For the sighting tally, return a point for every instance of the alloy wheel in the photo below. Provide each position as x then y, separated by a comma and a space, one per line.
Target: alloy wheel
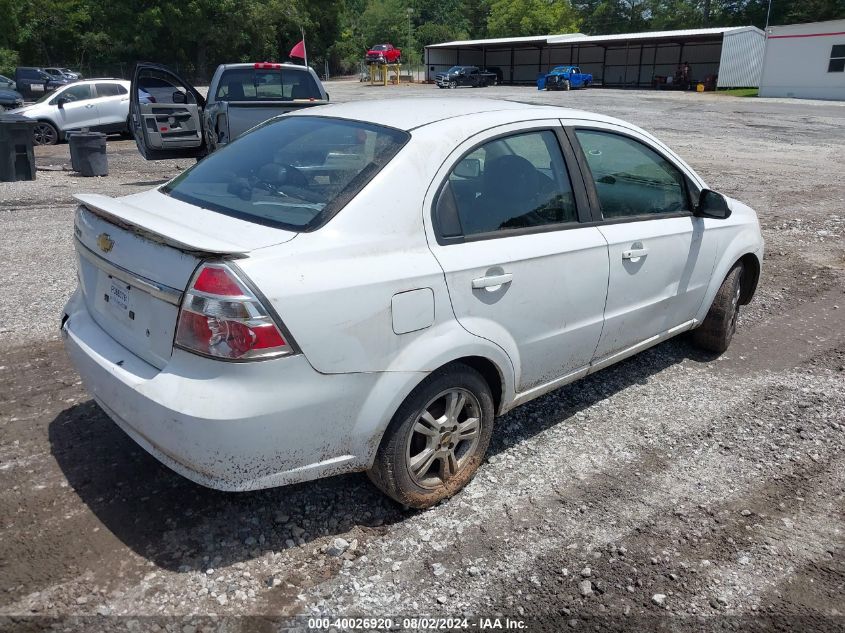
444, 438
44, 134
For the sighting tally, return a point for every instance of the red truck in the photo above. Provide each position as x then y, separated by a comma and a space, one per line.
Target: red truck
384, 54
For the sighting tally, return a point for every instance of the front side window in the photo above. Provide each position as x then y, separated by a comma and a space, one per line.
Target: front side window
837, 59
514, 182
79, 92
253, 84
630, 178
295, 171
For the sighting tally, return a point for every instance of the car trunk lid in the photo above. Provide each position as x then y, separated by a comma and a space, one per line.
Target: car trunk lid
137, 254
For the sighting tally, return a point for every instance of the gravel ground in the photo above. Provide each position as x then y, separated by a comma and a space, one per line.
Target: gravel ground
674, 490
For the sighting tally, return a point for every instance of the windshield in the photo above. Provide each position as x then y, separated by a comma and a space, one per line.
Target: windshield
293, 171
379, 47
455, 69
47, 96
250, 84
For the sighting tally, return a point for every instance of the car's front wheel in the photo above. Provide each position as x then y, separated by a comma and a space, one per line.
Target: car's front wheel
437, 438
566, 84
45, 133
719, 326
453, 84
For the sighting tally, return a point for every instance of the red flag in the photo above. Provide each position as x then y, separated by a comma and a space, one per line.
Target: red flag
298, 50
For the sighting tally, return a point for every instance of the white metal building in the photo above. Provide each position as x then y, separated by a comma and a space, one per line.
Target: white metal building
734, 54
805, 61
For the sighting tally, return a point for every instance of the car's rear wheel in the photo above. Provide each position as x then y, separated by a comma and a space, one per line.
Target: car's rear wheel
719, 326
45, 133
437, 438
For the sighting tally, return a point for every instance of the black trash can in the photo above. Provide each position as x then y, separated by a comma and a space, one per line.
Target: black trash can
74, 153
88, 153
17, 160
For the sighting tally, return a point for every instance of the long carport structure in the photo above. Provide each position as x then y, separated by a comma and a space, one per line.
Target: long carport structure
632, 60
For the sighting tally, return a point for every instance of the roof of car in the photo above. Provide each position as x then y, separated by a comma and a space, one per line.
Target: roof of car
415, 112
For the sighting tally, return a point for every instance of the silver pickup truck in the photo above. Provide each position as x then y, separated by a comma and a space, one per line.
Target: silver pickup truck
169, 118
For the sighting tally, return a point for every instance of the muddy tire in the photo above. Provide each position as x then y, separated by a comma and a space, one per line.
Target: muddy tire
717, 330
437, 438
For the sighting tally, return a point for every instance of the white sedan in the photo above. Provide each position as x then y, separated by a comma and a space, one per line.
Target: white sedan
101, 105
367, 286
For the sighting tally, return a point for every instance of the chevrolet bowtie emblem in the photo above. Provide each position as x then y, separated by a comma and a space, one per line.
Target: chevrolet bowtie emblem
105, 242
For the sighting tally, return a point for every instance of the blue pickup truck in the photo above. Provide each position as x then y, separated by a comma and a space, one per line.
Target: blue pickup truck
564, 78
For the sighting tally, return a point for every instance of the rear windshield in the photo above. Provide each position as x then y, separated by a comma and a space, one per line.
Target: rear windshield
253, 84
294, 171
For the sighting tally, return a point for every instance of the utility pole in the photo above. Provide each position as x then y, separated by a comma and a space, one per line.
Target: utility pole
409, 11
768, 15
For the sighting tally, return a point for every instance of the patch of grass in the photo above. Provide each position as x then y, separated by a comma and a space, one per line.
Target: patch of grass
739, 92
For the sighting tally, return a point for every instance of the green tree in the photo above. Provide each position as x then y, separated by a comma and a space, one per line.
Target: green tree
511, 18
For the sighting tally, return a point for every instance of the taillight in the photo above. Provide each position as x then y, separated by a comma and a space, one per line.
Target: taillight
222, 318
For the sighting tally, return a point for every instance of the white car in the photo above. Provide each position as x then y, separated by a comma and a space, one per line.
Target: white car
102, 105
366, 286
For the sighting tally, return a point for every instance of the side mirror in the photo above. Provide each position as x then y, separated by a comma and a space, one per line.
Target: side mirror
712, 204
61, 103
468, 168
179, 97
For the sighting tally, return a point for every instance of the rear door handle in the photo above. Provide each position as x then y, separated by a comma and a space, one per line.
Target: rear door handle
634, 253
492, 281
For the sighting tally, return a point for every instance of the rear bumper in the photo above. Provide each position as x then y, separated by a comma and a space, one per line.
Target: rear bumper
230, 426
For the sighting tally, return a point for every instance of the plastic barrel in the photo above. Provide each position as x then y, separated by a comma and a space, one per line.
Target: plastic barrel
88, 153
17, 160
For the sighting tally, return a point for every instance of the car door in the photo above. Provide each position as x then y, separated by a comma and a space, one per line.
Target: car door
170, 126
113, 103
521, 268
76, 107
661, 258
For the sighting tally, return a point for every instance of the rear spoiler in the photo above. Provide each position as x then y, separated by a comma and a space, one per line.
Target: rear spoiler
158, 227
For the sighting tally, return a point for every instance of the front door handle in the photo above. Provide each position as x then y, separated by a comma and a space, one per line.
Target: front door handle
90, 105
492, 281
634, 253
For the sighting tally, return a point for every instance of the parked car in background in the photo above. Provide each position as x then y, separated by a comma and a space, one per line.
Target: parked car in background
10, 99
282, 310
566, 78
7, 83
500, 76
98, 104
383, 54
171, 119
73, 74
34, 83
60, 75
470, 76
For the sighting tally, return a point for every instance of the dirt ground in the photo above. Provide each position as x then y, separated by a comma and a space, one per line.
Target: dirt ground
673, 491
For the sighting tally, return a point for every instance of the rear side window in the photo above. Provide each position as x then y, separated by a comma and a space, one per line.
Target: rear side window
254, 84
110, 90
295, 172
514, 182
630, 178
